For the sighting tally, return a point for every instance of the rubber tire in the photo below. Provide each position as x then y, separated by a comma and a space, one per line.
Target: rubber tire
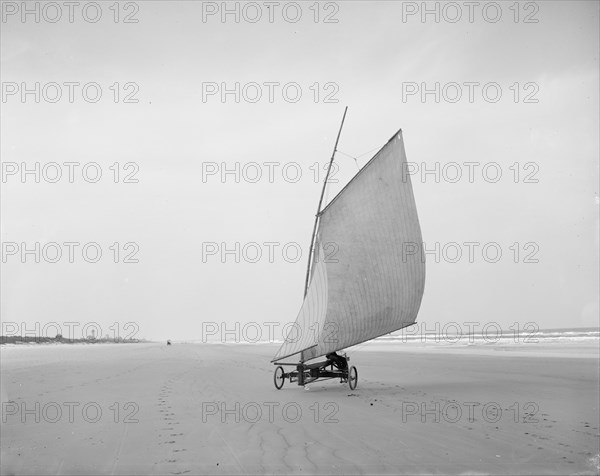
352, 377
280, 379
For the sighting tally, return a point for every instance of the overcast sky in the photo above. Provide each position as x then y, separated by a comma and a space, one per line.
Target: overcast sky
372, 59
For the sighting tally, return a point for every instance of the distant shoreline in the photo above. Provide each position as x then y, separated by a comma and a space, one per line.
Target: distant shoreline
62, 340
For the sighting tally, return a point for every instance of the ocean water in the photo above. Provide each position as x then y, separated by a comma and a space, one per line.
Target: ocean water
454, 334
473, 334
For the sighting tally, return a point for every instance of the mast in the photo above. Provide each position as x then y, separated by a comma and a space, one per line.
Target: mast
318, 215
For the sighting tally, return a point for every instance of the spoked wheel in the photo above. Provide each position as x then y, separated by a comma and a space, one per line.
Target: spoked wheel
278, 377
352, 377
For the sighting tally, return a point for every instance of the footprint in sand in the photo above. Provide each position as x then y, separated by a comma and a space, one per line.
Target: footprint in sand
169, 416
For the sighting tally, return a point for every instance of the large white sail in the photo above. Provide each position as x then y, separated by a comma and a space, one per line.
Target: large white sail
373, 276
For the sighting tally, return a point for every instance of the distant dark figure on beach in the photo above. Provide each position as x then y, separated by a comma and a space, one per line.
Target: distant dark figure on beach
168, 342
337, 360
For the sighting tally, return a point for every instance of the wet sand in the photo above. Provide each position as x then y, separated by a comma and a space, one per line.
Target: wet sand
213, 409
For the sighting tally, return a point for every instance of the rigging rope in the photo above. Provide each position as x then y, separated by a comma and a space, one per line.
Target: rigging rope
359, 156
326, 198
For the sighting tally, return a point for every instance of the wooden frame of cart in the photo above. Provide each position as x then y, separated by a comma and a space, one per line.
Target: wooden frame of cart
332, 368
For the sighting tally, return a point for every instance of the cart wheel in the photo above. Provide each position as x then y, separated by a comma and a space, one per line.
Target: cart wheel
352, 377
278, 377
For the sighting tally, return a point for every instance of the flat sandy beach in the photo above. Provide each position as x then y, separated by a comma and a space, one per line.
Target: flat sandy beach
213, 409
